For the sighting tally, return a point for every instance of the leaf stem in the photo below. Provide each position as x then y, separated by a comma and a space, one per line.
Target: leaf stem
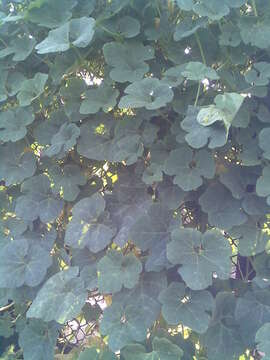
200, 47
114, 35
198, 94
3, 42
254, 7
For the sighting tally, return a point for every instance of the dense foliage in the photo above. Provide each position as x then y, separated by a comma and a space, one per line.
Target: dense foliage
135, 179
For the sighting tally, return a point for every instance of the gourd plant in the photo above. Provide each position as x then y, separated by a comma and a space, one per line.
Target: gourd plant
135, 179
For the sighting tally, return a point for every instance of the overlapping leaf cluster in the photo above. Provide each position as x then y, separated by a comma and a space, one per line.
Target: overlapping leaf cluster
134, 169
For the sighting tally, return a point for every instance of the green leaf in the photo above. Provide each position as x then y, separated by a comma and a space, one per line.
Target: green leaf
173, 76
262, 185
81, 31
37, 200
78, 32
13, 123
116, 270
166, 350
4, 296
262, 339
190, 308
252, 239
127, 60
186, 5
223, 210
60, 298
97, 141
3, 79
46, 129
57, 40
264, 142
14, 83
230, 35
95, 354
186, 28
23, 263
50, 13
188, 168
213, 9
85, 7
163, 349
197, 71
89, 275
67, 180
15, 164
198, 135
72, 93
171, 194
150, 93
126, 26
38, 340
6, 326
151, 228
31, 89
63, 141
224, 111
259, 75
102, 97
254, 307
20, 48
255, 32
90, 226
235, 3
123, 325
128, 319
223, 340
200, 255
138, 352
238, 179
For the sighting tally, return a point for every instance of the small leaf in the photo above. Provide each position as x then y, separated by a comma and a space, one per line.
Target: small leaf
31, 89
198, 135
127, 60
188, 27
63, 141
116, 270
188, 168
37, 200
197, 71
78, 32
38, 340
49, 13
264, 142
89, 226
67, 180
150, 93
15, 164
213, 9
13, 123
125, 26
190, 308
200, 255
23, 263
103, 97
223, 210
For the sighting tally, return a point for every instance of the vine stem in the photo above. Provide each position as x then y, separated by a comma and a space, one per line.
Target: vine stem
4, 308
254, 7
200, 47
198, 94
